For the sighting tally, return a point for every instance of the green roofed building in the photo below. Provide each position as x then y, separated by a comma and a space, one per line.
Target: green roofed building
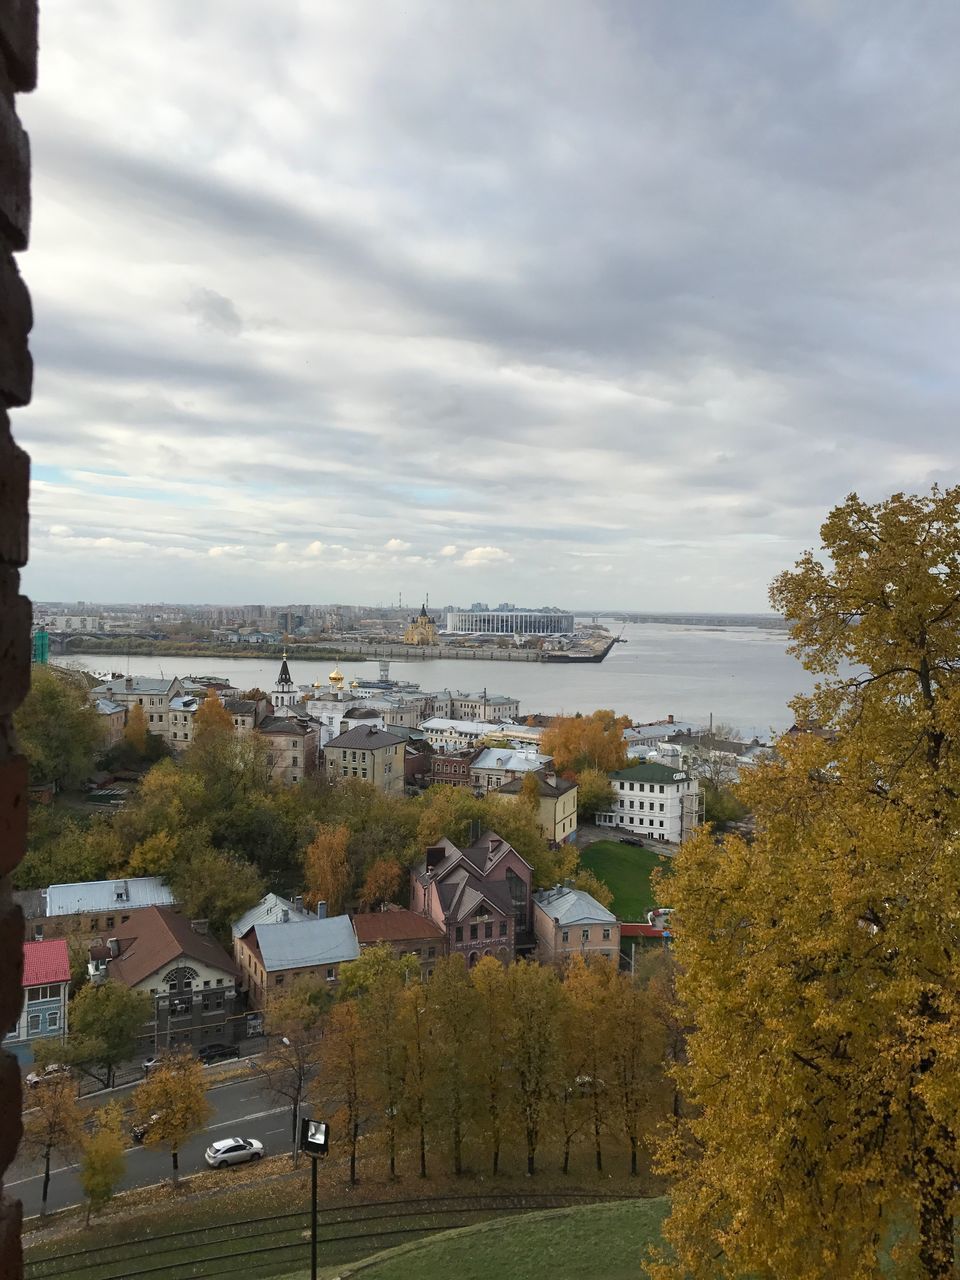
654, 801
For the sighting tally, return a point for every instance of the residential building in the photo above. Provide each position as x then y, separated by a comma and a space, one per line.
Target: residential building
369, 754
191, 979
568, 922
293, 747
246, 713
46, 987
457, 734
452, 768
153, 694
273, 955
493, 707
91, 907
407, 932
509, 622
496, 765
182, 710
655, 801
113, 719
480, 896
557, 804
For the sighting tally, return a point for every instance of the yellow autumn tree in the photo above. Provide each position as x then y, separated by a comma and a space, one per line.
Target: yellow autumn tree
211, 717
586, 742
135, 731
326, 870
172, 1102
382, 882
819, 966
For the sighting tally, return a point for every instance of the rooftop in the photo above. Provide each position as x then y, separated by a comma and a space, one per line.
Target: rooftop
572, 906
45, 962
548, 787
510, 759
156, 937
301, 944
395, 925
108, 895
136, 684
650, 772
269, 910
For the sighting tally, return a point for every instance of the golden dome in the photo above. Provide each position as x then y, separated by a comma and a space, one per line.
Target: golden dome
354, 684
336, 676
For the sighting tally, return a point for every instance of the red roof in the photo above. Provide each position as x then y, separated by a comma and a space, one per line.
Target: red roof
45, 962
640, 931
394, 926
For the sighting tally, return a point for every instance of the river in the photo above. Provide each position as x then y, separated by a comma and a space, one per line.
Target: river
740, 675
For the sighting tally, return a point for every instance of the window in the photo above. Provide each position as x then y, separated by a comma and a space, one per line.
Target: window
488, 929
331, 974
503, 928
458, 933
474, 932
151, 717
124, 919
661, 790
606, 935
206, 982
53, 1019
661, 808
160, 719
651, 822
584, 935
565, 935
293, 742
152, 703
278, 980
661, 822
109, 922
431, 953
630, 785
295, 762
38, 933
219, 982
33, 1023
631, 804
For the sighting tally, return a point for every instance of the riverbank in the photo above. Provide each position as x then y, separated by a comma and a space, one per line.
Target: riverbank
355, 650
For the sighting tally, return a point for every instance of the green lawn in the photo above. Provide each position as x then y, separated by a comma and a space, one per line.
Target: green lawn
625, 869
590, 1242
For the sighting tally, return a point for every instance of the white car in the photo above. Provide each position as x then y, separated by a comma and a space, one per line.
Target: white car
49, 1072
233, 1151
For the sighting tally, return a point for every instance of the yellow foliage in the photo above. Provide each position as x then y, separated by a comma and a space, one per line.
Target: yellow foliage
326, 869
820, 964
586, 742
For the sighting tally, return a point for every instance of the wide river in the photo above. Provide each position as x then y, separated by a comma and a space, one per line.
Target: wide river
743, 676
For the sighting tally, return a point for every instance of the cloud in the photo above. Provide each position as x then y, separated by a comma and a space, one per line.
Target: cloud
214, 311
632, 287
484, 555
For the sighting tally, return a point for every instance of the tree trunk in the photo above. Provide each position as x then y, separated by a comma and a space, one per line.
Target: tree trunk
633, 1155
457, 1148
423, 1148
176, 1166
566, 1155
89, 1207
596, 1139
936, 1238
46, 1181
531, 1153
354, 1132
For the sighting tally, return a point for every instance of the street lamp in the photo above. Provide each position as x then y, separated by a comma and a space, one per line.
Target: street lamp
314, 1142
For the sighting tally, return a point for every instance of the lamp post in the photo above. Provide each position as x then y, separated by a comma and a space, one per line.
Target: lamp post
314, 1142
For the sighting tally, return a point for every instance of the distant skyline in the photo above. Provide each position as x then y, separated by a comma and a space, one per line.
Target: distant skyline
547, 300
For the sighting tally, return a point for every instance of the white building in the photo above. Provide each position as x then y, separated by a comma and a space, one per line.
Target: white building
655, 801
509, 622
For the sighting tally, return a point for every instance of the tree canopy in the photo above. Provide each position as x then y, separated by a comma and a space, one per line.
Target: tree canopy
586, 742
820, 965
58, 730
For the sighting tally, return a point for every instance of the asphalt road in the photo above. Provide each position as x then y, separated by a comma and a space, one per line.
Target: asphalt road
241, 1109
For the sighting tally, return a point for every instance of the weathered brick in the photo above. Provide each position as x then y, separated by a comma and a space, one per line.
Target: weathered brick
13, 818
14, 178
18, 41
16, 321
15, 619
14, 492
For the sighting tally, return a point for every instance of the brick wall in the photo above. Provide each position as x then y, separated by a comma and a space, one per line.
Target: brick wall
18, 74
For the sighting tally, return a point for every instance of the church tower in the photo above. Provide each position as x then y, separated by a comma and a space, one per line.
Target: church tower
285, 693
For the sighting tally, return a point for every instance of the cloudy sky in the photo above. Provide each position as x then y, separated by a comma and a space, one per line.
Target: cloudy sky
581, 302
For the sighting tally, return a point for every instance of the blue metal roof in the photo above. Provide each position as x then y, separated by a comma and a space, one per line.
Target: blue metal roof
108, 895
300, 944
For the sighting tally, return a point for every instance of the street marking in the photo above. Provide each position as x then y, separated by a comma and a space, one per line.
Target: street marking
257, 1115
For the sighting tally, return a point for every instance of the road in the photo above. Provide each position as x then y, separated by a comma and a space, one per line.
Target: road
241, 1109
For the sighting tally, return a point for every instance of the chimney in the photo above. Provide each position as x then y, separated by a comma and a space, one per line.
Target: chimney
284, 916
321, 910
114, 946
669, 719
128, 683
298, 902
200, 926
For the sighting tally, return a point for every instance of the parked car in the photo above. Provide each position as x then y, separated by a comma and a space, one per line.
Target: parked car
51, 1071
631, 840
233, 1151
139, 1131
218, 1052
